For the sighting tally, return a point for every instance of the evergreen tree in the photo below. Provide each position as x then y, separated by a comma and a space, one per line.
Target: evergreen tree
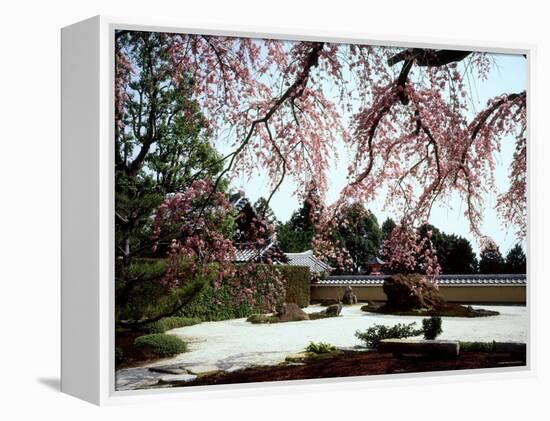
387, 227
360, 234
161, 146
459, 257
296, 234
263, 209
491, 261
516, 262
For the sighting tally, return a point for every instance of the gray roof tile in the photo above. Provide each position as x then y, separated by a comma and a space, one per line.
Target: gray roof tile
474, 279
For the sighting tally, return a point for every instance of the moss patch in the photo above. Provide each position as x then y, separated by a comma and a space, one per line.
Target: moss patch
449, 310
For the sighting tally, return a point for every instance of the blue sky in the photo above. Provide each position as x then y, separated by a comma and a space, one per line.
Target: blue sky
509, 74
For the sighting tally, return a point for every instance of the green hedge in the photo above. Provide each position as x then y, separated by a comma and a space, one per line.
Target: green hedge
298, 280
161, 344
213, 304
168, 323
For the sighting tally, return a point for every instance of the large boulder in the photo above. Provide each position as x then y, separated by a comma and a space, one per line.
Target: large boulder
431, 348
411, 292
290, 312
349, 297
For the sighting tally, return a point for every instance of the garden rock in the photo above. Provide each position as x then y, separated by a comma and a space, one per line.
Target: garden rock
178, 378
333, 310
514, 348
349, 297
201, 370
168, 370
290, 312
411, 292
432, 348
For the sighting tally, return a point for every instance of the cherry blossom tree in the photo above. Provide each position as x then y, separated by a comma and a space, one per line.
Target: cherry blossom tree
405, 116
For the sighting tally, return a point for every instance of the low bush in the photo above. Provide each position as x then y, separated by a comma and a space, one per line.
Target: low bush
432, 327
298, 280
261, 318
320, 348
477, 346
375, 334
174, 322
161, 344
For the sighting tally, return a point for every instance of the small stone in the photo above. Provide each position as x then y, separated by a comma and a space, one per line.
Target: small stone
168, 370
203, 369
177, 378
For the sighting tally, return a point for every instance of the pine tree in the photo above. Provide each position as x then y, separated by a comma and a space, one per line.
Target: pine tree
516, 261
491, 261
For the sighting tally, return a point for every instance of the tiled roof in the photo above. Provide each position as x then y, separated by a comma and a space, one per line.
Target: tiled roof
375, 261
307, 259
474, 279
250, 254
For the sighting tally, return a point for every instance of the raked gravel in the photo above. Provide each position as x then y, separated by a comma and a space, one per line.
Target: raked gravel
233, 344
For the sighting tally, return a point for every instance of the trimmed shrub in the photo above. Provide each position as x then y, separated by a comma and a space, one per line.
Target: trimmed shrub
169, 323
432, 327
298, 280
320, 348
374, 334
161, 344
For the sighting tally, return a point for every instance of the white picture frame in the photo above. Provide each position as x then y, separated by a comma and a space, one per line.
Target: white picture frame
88, 212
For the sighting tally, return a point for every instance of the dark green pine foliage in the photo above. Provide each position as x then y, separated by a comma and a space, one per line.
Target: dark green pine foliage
161, 146
491, 261
362, 236
516, 261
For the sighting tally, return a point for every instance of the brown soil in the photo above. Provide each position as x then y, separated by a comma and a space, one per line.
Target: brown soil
351, 363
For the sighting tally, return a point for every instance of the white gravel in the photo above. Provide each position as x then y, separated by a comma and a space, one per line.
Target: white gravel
236, 342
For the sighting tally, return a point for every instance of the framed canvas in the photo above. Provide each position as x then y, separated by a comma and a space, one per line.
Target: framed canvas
244, 209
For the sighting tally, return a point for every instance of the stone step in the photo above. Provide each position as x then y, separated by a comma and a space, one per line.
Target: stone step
432, 348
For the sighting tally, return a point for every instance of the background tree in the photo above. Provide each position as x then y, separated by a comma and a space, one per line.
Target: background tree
460, 257
516, 261
272, 96
161, 148
262, 208
387, 227
296, 234
491, 260
358, 231
455, 254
